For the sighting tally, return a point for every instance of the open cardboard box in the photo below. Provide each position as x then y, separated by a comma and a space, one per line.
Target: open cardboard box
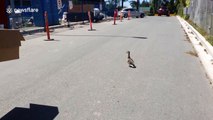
10, 41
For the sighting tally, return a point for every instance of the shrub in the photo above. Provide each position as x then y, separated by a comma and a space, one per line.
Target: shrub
209, 38
186, 17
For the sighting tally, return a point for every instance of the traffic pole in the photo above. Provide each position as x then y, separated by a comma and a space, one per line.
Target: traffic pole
47, 26
121, 16
114, 17
90, 21
129, 14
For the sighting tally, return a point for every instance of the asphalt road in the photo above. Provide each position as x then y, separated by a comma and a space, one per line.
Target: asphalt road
86, 76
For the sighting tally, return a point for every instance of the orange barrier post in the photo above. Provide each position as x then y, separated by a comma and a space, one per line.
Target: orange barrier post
121, 16
114, 17
129, 15
47, 26
90, 21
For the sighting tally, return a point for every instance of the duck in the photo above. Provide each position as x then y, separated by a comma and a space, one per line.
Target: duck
130, 61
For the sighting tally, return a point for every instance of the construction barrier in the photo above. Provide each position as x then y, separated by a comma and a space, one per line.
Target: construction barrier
47, 26
114, 17
121, 17
90, 22
129, 15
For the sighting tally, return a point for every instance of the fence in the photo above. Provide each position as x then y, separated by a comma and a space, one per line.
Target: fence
201, 13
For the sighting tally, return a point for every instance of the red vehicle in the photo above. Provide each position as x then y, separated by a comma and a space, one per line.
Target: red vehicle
163, 11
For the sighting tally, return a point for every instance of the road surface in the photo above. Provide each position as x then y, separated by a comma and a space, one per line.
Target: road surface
85, 75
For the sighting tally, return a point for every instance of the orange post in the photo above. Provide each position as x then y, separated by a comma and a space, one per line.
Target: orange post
90, 21
129, 15
47, 25
121, 16
114, 17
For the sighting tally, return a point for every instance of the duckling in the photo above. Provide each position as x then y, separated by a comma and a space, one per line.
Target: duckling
130, 61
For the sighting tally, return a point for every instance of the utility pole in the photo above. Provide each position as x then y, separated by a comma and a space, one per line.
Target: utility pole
138, 3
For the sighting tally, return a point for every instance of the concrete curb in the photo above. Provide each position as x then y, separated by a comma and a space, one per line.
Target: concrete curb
202, 47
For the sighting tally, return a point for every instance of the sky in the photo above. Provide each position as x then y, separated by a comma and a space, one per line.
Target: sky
128, 5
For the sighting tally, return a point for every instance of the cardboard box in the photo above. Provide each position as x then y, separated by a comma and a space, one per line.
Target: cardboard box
10, 41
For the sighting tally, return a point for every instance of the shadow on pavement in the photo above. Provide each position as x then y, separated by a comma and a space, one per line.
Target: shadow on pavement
136, 37
35, 112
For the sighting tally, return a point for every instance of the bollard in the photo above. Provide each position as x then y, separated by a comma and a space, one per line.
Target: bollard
114, 17
47, 26
129, 14
121, 16
90, 21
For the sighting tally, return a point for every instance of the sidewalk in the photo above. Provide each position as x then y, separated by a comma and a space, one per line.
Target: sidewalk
32, 30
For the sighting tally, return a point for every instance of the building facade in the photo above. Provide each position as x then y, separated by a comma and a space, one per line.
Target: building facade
3, 14
21, 13
80, 8
24, 13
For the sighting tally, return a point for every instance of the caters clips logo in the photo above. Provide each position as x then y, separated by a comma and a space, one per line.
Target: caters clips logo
9, 10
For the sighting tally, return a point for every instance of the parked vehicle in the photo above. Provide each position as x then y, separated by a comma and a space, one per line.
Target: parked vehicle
163, 11
133, 13
97, 15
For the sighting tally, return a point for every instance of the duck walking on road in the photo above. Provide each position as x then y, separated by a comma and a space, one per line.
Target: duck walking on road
130, 61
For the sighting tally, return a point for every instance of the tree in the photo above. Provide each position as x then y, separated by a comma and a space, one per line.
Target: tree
154, 6
122, 3
180, 4
145, 4
138, 3
171, 6
133, 4
187, 3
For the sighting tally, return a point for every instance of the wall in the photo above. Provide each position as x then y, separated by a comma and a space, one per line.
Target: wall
200, 12
45, 5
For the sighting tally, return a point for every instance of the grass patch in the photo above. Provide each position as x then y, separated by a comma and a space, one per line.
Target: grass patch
208, 37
